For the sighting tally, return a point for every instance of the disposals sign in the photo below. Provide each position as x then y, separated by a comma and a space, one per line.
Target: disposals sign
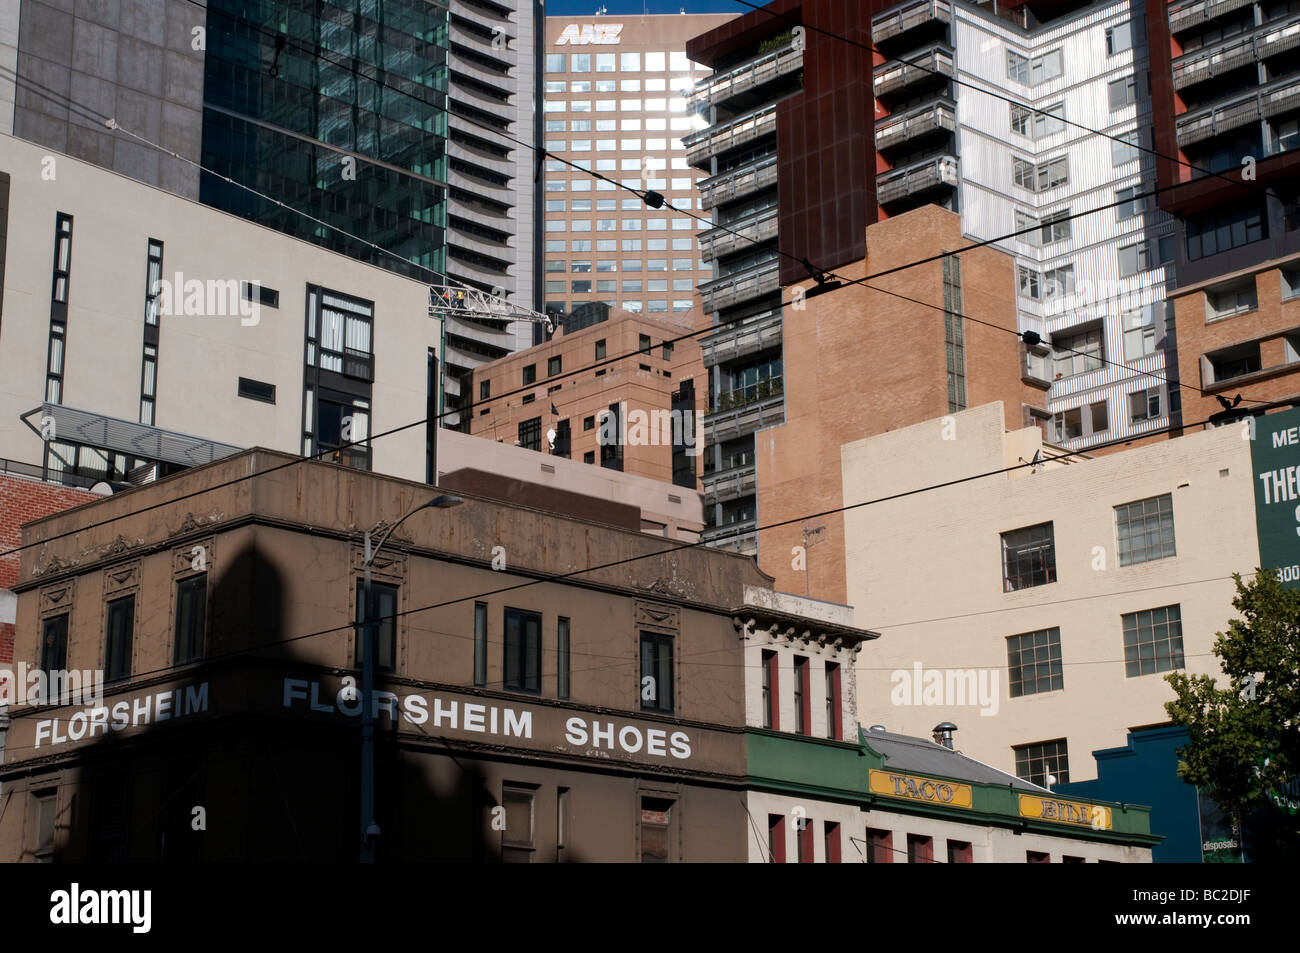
1275, 461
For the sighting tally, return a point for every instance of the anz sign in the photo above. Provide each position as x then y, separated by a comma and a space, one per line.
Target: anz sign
581, 34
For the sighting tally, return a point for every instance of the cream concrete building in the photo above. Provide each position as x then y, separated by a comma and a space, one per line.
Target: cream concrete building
1042, 586
122, 378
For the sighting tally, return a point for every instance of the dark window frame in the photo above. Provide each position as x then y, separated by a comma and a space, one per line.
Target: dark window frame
663, 701
190, 634
1039, 552
119, 630
515, 674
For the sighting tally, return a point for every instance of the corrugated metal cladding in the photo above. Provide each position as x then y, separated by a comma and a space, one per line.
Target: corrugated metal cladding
826, 142
990, 197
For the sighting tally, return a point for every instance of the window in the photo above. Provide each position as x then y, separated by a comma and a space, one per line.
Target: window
1035, 762
480, 643
563, 438
920, 850
1067, 424
530, 374
589, 457
191, 612
1037, 857
1123, 92
45, 804
959, 852
805, 838
1145, 530
581, 63
54, 644
62, 257
656, 672
1038, 123
1124, 148
555, 63
1017, 67
562, 658
880, 847
152, 279
118, 629
605, 62
834, 708
831, 842
1218, 232
523, 651
1034, 662
656, 830
1040, 177
629, 62
643, 343
1119, 38
1132, 202
1058, 281
1139, 332
553, 365
149, 384
1028, 557
383, 624
1077, 353
1038, 70
589, 423
802, 691
1144, 405
1133, 259
251, 389
1227, 300
1236, 361
776, 838
530, 434
1029, 282
1153, 641
1100, 419
600, 356
771, 699
520, 816
344, 337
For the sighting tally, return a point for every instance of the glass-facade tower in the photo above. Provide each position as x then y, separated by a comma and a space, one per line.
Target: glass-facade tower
345, 119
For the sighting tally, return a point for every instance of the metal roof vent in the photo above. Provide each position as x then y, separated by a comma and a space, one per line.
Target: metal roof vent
943, 734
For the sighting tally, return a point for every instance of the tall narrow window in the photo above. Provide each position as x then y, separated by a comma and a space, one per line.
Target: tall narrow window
520, 805
805, 840
149, 361
771, 698
62, 257
383, 622
920, 849
656, 830
802, 693
54, 368
562, 659
54, 643
959, 852
954, 333
831, 835
337, 378
561, 823
523, 651
880, 847
776, 838
656, 672
480, 644
120, 621
45, 804
834, 719
610, 437
191, 612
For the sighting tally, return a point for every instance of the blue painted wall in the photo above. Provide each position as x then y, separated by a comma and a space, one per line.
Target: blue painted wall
1145, 771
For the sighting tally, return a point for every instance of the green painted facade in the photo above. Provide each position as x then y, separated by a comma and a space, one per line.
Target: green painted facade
827, 770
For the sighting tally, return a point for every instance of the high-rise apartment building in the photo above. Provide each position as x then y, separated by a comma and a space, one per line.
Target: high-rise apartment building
394, 124
617, 102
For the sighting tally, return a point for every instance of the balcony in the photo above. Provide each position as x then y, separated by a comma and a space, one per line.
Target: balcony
1201, 65
720, 241
738, 414
893, 77
894, 23
721, 87
899, 184
1239, 111
906, 128
750, 336
742, 286
734, 185
725, 485
738, 537
1184, 16
715, 140
459, 63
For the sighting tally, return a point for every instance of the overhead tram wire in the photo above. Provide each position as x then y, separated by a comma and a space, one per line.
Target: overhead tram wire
108, 122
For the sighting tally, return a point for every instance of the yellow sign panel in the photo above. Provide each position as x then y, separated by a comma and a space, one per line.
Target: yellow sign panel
1079, 814
916, 788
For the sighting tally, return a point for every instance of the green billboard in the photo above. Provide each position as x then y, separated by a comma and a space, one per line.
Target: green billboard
1275, 463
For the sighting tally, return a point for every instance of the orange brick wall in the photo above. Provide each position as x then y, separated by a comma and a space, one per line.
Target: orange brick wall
1196, 336
859, 362
22, 501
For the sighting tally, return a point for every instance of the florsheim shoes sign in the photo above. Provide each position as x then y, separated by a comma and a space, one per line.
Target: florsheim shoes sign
1275, 462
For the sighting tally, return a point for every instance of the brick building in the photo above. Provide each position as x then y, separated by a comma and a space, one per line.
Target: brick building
642, 393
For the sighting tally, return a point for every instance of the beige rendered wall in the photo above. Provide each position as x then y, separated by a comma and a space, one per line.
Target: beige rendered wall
200, 358
925, 571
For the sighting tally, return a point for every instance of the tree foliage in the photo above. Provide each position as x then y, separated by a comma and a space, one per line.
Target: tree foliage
1245, 737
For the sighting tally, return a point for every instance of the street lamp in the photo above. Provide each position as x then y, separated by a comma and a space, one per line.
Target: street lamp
370, 829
